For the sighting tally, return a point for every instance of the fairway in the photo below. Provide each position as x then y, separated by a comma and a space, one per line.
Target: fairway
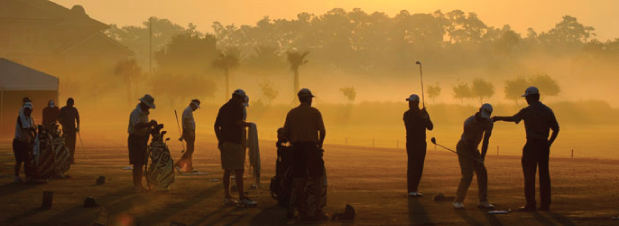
370, 179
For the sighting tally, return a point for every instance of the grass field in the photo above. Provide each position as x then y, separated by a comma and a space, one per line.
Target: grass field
373, 180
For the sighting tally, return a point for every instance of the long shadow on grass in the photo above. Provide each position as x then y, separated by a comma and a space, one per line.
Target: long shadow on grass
164, 213
417, 213
11, 188
272, 215
29, 213
557, 217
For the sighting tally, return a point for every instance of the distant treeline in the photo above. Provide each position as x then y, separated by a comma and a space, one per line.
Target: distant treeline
353, 43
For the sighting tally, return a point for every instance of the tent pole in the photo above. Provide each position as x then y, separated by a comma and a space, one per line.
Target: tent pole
1, 109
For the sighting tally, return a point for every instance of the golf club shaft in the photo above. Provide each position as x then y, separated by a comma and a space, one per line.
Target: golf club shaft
477, 160
423, 101
179, 130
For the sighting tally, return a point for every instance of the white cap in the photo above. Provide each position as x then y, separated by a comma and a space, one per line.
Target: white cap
148, 100
305, 92
246, 102
531, 90
239, 92
413, 97
28, 105
485, 110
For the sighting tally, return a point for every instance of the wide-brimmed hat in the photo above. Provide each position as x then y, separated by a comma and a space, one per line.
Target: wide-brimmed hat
148, 100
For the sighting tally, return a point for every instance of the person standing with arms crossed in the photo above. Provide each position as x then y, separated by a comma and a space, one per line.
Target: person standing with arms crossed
229, 127
139, 132
476, 128
305, 130
416, 121
68, 117
538, 121
189, 135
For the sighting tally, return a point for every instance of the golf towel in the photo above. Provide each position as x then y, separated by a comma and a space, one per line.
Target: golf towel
254, 149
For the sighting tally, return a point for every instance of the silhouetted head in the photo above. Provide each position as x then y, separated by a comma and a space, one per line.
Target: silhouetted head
27, 109
147, 102
239, 96
70, 102
531, 95
485, 111
51, 104
413, 102
305, 96
195, 104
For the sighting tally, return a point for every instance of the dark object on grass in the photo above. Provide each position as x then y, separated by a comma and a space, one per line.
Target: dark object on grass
174, 223
348, 214
90, 202
100, 180
48, 196
441, 197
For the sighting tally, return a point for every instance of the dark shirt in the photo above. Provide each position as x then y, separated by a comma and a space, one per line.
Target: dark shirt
416, 125
476, 130
67, 118
50, 114
303, 124
227, 120
538, 120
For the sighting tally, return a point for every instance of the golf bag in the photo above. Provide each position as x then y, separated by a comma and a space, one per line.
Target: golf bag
282, 182
160, 174
62, 164
41, 159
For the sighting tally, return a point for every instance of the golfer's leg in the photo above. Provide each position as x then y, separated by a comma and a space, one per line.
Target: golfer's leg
544, 178
16, 153
137, 175
318, 195
410, 169
482, 181
70, 142
189, 154
467, 176
238, 176
299, 190
420, 158
529, 168
226, 183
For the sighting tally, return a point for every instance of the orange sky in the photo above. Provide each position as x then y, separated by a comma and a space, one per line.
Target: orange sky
520, 14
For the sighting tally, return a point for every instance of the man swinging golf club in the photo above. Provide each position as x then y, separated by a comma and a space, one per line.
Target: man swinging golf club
476, 128
538, 121
416, 122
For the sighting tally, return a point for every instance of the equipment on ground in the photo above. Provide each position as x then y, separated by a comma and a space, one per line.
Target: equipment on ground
160, 174
180, 131
421, 76
41, 158
282, 182
433, 140
62, 164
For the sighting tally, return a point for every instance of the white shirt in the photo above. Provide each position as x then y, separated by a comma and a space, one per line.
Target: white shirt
138, 116
188, 122
21, 132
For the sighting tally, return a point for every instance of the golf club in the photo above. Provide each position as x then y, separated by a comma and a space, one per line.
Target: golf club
181, 132
82, 143
421, 76
433, 140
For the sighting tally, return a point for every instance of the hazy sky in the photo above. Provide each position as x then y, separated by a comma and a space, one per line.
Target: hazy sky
520, 14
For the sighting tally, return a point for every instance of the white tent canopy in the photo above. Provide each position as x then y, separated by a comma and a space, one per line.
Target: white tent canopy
14, 76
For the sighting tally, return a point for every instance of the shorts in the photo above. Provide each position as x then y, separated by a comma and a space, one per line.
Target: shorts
20, 150
137, 149
307, 160
232, 156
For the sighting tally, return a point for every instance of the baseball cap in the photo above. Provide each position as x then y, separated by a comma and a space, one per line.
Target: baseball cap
413, 97
305, 92
148, 100
239, 92
246, 102
196, 102
485, 110
531, 90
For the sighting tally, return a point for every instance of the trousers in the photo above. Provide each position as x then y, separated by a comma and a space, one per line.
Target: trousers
536, 154
416, 151
468, 166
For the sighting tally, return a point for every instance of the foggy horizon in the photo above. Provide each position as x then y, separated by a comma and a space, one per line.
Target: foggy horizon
520, 15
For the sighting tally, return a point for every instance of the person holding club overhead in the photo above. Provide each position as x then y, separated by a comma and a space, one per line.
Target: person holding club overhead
416, 121
538, 121
476, 128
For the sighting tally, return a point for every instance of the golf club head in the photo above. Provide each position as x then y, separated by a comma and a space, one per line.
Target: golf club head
418, 62
433, 140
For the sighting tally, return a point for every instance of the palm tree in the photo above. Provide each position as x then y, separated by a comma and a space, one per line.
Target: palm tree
228, 60
296, 59
129, 71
